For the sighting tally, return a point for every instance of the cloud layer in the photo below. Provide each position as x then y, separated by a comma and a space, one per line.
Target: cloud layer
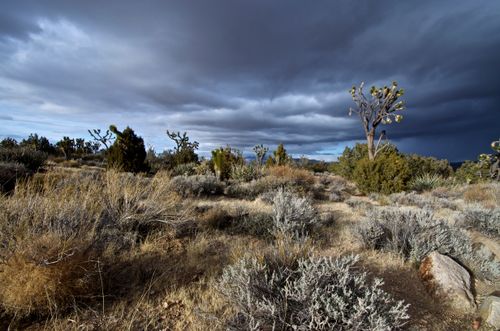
247, 72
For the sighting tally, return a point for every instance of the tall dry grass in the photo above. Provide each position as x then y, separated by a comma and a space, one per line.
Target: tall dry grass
59, 232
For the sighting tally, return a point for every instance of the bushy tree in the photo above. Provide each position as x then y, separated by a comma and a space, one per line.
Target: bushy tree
127, 152
9, 143
386, 174
38, 143
67, 146
379, 109
351, 156
422, 165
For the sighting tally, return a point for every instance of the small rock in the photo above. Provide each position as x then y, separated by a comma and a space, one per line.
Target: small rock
445, 278
490, 311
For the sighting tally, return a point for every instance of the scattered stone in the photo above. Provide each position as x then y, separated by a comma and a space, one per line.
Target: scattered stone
490, 311
445, 278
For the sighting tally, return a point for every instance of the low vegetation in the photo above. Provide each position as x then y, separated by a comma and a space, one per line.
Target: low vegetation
104, 235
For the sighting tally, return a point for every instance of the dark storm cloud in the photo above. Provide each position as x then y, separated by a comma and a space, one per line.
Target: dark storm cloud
247, 72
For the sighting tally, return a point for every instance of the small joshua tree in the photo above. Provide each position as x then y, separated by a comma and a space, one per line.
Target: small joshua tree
379, 109
260, 153
224, 159
280, 156
492, 160
184, 151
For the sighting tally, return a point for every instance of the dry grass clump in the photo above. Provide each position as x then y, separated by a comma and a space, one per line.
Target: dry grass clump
48, 275
295, 176
488, 195
54, 229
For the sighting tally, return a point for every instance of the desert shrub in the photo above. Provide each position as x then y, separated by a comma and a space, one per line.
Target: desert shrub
425, 182
204, 168
9, 174
127, 152
358, 204
484, 220
415, 233
385, 174
184, 169
422, 165
239, 221
471, 172
293, 216
421, 200
47, 275
482, 193
245, 172
31, 159
351, 156
310, 294
197, 185
55, 226
293, 176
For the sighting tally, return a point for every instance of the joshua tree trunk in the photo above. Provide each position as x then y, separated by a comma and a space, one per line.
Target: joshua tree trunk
370, 137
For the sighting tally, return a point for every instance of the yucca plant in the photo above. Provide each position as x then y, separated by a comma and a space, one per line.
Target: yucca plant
426, 182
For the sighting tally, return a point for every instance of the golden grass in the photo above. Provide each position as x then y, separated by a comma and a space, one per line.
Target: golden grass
486, 194
296, 175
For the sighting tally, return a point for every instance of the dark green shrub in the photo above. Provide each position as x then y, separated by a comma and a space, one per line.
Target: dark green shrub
351, 156
9, 174
386, 174
28, 157
8, 143
127, 152
38, 143
421, 165
471, 172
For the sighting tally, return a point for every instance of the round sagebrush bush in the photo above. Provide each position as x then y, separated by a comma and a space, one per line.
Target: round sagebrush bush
198, 185
315, 294
484, 220
292, 215
414, 233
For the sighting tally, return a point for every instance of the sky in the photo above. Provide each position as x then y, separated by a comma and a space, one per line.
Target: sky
252, 72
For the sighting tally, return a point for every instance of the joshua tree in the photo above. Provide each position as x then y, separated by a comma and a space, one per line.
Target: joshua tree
105, 139
224, 159
260, 153
184, 151
379, 109
280, 156
492, 160
67, 147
